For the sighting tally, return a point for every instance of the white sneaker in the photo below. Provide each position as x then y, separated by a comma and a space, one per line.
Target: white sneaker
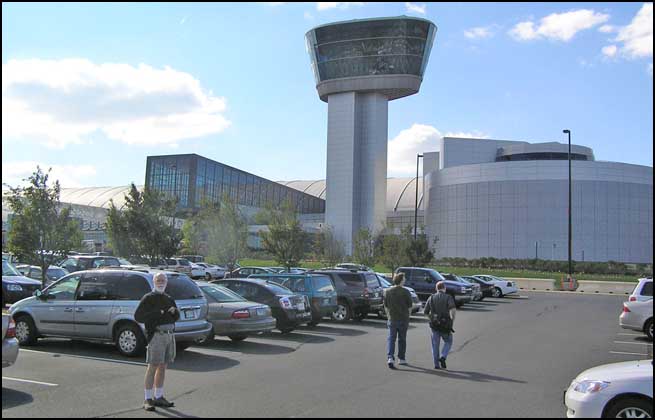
390, 362
402, 362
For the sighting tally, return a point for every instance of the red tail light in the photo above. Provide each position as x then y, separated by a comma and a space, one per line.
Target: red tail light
241, 314
633, 298
625, 309
11, 331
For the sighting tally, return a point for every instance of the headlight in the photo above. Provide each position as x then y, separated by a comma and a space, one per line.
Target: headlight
14, 288
590, 387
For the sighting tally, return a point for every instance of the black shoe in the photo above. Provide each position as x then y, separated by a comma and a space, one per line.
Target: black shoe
442, 361
437, 367
163, 402
149, 405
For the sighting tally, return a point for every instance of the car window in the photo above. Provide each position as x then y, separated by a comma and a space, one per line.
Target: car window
292, 283
70, 264
277, 289
384, 282
353, 280
647, 290
64, 289
181, 287
170, 261
131, 287
35, 273
95, 286
372, 281
245, 272
9, 270
322, 284
56, 273
184, 262
221, 294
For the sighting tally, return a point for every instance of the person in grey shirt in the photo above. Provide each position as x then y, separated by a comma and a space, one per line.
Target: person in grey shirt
442, 305
398, 304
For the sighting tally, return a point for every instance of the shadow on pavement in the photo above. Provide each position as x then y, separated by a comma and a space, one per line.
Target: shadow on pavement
454, 374
83, 349
247, 347
191, 361
346, 332
172, 413
12, 398
296, 337
469, 308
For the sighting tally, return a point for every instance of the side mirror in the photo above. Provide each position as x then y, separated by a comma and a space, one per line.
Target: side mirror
40, 295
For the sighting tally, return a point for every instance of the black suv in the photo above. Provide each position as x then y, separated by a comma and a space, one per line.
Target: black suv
76, 263
289, 309
358, 293
424, 282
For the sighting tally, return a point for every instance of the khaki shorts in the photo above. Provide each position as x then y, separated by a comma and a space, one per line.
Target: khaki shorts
161, 349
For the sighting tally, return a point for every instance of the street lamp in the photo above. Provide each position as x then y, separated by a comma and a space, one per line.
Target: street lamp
416, 201
570, 209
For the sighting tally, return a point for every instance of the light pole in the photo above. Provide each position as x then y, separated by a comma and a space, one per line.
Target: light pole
570, 209
416, 201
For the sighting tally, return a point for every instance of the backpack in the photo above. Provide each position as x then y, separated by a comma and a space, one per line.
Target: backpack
440, 321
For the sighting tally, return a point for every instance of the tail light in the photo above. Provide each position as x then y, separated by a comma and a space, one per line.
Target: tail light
11, 330
625, 309
633, 298
285, 302
244, 313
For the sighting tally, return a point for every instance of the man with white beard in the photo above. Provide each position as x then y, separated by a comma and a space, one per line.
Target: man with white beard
158, 312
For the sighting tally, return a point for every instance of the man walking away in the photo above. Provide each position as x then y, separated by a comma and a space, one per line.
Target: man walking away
158, 312
398, 304
440, 308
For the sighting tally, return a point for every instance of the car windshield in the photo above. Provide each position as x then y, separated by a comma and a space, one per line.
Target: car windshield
181, 287
221, 294
123, 261
436, 274
384, 282
56, 273
277, 289
9, 270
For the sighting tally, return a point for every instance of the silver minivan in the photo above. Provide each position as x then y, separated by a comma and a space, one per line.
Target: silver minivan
99, 305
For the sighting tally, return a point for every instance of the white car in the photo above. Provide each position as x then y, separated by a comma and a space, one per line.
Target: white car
617, 390
199, 272
643, 291
214, 271
502, 287
638, 316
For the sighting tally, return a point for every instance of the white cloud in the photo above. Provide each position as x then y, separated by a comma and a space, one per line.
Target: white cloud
69, 176
637, 37
416, 8
417, 139
322, 6
610, 50
607, 29
480, 32
466, 135
558, 26
60, 102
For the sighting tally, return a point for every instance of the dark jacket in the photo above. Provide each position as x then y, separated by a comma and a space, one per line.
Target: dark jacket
440, 303
398, 302
153, 311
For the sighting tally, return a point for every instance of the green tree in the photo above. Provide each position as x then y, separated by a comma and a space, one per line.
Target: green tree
328, 248
146, 226
285, 239
227, 233
418, 251
364, 247
393, 251
41, 231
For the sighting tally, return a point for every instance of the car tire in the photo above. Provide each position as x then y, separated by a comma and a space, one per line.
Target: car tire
648, 329
382, 315
343, 313
497, 293
208, 276
481, 299
26, 332
286, 330
624, 406
206, 340
237, 337
360, 317
130, 341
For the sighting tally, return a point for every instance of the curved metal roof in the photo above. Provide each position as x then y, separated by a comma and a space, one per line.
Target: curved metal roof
96, 196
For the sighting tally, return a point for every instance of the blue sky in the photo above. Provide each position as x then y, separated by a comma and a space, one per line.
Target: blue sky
92, 89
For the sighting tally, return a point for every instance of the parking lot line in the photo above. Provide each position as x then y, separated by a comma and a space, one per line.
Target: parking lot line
125, 362
632, 342
635, 335
28, 381
622, 352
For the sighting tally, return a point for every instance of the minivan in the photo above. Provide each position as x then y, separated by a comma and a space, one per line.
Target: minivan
99, 305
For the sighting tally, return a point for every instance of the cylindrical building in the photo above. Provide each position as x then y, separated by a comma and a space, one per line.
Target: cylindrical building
359, 66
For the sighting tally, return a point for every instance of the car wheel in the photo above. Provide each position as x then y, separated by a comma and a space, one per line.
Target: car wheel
286, 330
630, 408
237, 337
343, 312
497, 293
208, 276
648, 329
25, 331
206, 340
130, 341
360, 317
382, 314
482, 298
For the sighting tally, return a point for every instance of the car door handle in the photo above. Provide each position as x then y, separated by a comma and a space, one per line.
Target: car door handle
68, 309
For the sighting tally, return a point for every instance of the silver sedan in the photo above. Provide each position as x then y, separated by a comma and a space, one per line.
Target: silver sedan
9, 342
233, 316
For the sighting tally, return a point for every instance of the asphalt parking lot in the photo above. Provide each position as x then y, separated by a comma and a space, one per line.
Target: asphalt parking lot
512, 357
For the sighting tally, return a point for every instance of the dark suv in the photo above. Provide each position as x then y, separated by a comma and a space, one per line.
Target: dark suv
358, 293
289, 309
88, 262
424, 282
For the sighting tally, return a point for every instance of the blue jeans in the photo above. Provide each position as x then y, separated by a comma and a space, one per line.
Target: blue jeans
397, 329
436, 342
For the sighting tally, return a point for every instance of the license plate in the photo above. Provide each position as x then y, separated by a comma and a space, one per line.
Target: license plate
326, 301
301, 306
190, 314
261, 312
